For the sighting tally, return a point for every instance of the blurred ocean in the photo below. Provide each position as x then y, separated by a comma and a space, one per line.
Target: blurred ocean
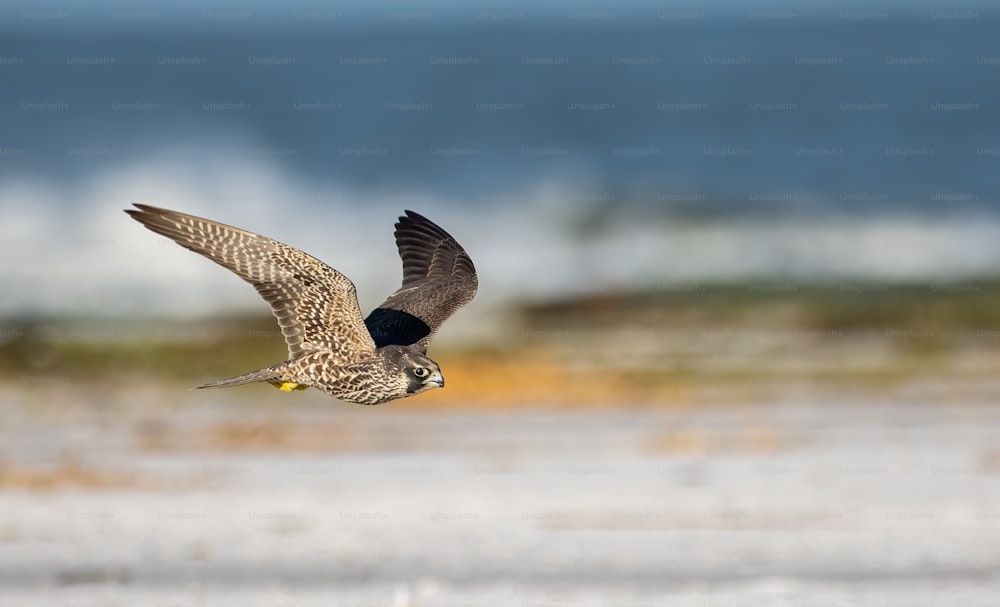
609, 147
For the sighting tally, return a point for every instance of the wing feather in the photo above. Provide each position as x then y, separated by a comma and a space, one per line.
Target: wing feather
315, 305
438, 279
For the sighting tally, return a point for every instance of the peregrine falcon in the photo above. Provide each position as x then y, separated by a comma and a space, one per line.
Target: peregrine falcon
330, 347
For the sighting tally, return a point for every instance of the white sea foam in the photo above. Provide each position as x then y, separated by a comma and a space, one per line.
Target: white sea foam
70, 249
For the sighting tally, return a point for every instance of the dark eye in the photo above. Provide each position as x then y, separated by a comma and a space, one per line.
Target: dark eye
420, 372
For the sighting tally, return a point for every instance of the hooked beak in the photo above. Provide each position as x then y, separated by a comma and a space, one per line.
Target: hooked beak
436, 380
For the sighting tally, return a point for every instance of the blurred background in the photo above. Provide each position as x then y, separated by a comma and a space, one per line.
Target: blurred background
735, 340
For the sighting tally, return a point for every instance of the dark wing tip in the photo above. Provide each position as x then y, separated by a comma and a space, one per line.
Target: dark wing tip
147, 208
150, 217
419, 238
415, 222
142, 212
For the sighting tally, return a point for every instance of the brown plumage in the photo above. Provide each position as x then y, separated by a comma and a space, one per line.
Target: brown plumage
330, 347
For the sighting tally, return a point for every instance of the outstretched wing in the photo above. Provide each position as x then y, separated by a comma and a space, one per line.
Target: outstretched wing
438, 279
316, 306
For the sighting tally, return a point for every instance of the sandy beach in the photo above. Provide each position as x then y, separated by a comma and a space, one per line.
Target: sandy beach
159, 496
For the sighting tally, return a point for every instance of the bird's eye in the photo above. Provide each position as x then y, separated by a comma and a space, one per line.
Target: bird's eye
420, 372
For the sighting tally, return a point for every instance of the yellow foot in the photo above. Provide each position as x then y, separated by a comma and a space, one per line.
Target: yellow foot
287, 386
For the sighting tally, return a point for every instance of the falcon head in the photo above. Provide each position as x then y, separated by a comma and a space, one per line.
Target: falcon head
410, 371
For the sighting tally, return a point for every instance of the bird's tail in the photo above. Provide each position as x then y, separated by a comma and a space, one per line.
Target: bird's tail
271, 374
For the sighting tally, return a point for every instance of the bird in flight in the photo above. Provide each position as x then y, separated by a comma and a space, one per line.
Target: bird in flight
330, 346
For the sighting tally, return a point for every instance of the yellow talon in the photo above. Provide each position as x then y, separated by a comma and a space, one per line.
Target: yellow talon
287, 386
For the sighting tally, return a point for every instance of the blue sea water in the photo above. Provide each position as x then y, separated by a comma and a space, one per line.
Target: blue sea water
564, 117
840, 107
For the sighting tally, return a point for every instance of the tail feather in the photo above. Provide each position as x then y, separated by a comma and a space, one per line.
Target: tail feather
273, 373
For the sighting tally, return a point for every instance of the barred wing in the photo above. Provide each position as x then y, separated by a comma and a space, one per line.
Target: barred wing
316, 306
